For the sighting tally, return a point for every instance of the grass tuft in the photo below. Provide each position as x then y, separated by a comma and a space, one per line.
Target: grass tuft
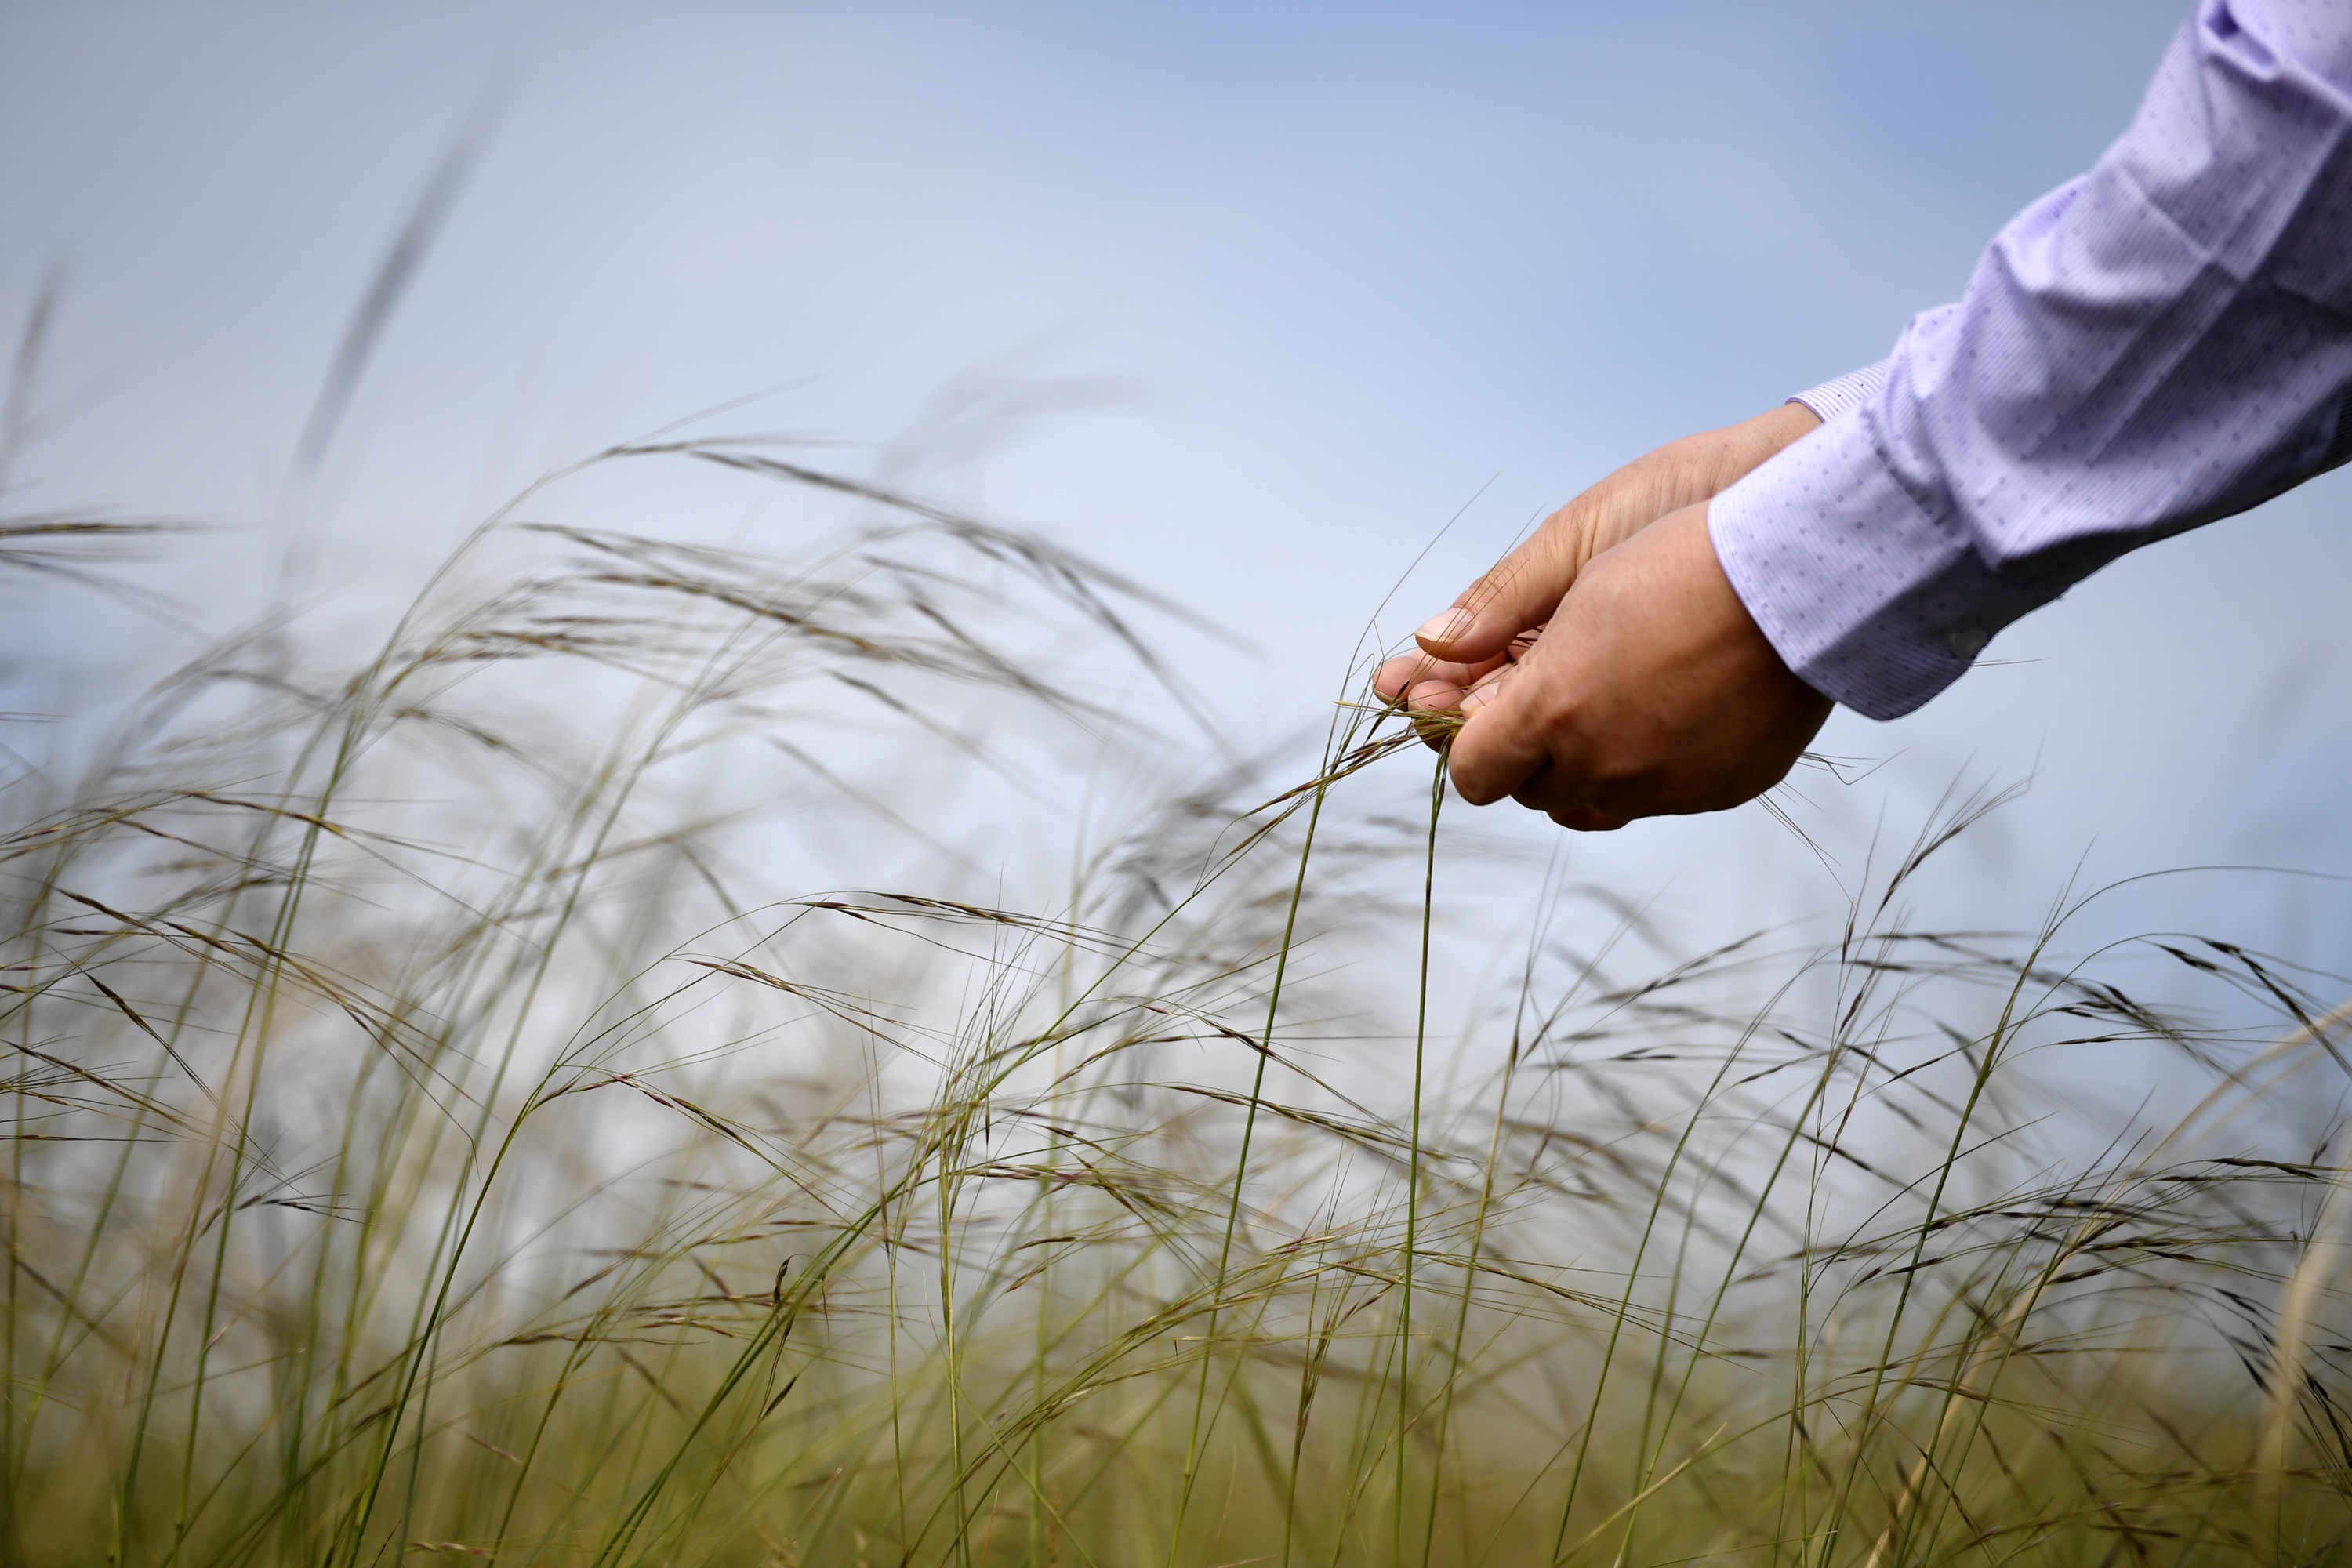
443, 1122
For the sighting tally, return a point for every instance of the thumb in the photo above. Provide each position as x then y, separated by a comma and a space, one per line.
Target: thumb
1499, 746
1518, 593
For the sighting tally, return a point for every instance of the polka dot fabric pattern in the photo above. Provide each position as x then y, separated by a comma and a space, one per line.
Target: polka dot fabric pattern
2161, 342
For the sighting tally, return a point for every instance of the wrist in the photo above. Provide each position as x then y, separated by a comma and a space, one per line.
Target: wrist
1713, 460
1679, 474
1767, 434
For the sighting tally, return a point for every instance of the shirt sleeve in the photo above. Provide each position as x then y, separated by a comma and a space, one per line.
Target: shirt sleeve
2163, 342
1831, 398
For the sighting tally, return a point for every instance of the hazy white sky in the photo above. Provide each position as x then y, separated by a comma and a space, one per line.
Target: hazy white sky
1316, 273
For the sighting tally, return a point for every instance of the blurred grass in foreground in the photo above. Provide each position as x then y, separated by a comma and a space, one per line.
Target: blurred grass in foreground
440, 1125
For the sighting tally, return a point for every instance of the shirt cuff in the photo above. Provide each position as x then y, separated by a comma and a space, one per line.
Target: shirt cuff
1874, 601
1831, 398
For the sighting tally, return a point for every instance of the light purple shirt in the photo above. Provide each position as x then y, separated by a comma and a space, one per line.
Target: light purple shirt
2163, 341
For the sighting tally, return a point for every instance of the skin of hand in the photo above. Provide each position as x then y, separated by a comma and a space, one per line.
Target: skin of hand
1661, 695
1651, 693
1503, 609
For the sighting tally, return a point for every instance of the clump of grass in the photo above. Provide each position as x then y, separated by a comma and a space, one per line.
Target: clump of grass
439, 1127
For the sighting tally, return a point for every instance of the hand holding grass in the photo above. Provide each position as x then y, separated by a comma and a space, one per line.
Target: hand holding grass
1607, 669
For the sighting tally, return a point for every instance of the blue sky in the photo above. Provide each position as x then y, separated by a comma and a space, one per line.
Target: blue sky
1313, 277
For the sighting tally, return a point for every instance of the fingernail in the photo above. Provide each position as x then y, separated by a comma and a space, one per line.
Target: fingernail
1446, 627
1477, 697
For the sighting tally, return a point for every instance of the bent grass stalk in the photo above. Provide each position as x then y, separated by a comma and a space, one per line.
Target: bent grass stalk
422, 1146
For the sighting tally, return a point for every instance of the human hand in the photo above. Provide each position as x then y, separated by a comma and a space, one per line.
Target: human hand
1498, 618
1651, 692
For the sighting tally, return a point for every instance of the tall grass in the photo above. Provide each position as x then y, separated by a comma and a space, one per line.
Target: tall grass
443, 1122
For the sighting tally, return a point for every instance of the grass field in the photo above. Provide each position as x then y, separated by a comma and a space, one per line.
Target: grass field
445, 1120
